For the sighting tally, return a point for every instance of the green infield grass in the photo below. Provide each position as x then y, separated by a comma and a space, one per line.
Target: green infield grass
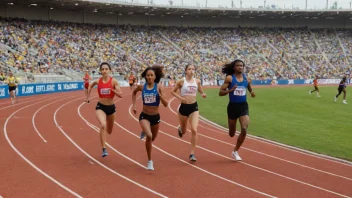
291, 116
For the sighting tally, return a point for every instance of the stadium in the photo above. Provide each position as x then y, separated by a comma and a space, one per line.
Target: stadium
296, 63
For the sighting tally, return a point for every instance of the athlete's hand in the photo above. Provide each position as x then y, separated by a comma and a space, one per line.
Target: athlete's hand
233, 88
253, 94
134, 110
204, 95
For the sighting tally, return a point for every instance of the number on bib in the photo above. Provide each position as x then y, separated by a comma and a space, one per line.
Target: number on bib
192, 89
239, 91
105, 91
149, 99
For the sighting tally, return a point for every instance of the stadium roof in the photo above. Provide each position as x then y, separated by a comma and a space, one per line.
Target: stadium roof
128, 8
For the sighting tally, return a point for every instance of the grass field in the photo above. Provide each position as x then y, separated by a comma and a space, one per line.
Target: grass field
291, 116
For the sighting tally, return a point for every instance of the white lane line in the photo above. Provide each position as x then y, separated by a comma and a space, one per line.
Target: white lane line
194, 166
96, 161
270, 142
33, 117
277, 174
28, 161
98, 131
271, 156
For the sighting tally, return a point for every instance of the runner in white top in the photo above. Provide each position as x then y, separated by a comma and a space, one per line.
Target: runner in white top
188, 108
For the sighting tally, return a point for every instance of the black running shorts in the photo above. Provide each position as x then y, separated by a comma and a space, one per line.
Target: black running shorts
236, 110
108, 109
188, 109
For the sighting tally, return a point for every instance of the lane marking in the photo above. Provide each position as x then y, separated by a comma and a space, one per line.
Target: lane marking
28, 161
96, 161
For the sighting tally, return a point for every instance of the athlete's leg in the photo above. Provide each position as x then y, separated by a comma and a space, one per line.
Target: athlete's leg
145, 125
339, 92
232, 126
344, 97
194, 120
182, 128
149, 144
11, 96
101, 116
110, 123
244, 121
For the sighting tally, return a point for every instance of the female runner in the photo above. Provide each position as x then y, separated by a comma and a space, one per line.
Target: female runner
188, 110
86, 79
236, 84
12, 83
149, 119
108, 87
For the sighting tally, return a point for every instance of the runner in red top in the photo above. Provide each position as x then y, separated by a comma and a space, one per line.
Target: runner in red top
316, 88
86, 79
108, 87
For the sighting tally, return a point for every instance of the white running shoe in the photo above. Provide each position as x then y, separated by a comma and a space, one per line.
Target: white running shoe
236, 156
344, 102
310, 93
335, 99
150, 165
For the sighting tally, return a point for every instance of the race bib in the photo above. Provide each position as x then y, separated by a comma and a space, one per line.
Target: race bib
192, 89
240, 91
151, 98
105, 91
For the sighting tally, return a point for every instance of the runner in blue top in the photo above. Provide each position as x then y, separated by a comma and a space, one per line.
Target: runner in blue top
236, 85
149, 119
342, 88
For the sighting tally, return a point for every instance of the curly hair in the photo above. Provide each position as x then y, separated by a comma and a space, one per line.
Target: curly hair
228, 68
158, 71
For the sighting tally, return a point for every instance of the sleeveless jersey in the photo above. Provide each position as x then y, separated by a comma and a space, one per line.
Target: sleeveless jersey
240, 94
86, 79
104, 89
11, 81
150, 97
189, 89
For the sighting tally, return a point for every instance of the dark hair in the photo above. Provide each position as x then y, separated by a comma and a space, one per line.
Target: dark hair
228, 68
158, 71
104, 63
188, 66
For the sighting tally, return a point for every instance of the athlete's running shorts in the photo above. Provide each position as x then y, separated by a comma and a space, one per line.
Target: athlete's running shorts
108, 109
86, 85
188, 109
236, 110
12, 88
153, 119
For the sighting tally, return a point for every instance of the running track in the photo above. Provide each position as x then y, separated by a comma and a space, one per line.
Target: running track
50, 148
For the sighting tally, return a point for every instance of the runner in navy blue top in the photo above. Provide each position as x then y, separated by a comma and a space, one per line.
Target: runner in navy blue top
149, 119
236, 85
342, 88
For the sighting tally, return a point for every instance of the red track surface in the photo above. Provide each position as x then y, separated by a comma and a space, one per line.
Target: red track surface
69, 163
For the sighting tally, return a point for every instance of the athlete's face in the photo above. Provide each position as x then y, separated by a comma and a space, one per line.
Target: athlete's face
190, 70
150, 76
105, 70
238, 68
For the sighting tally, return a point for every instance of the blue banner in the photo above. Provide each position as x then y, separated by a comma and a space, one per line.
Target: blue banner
42, 88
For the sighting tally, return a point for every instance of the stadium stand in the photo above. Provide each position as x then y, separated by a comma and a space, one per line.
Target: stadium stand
44, 51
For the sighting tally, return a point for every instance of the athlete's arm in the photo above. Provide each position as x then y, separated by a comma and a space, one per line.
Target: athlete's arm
117, 90
177, 87
91, 85
200, 89
161, 94
135, 91
224, 87
249, 87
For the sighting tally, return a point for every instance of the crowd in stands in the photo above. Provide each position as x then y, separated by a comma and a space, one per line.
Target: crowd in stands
42, 47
